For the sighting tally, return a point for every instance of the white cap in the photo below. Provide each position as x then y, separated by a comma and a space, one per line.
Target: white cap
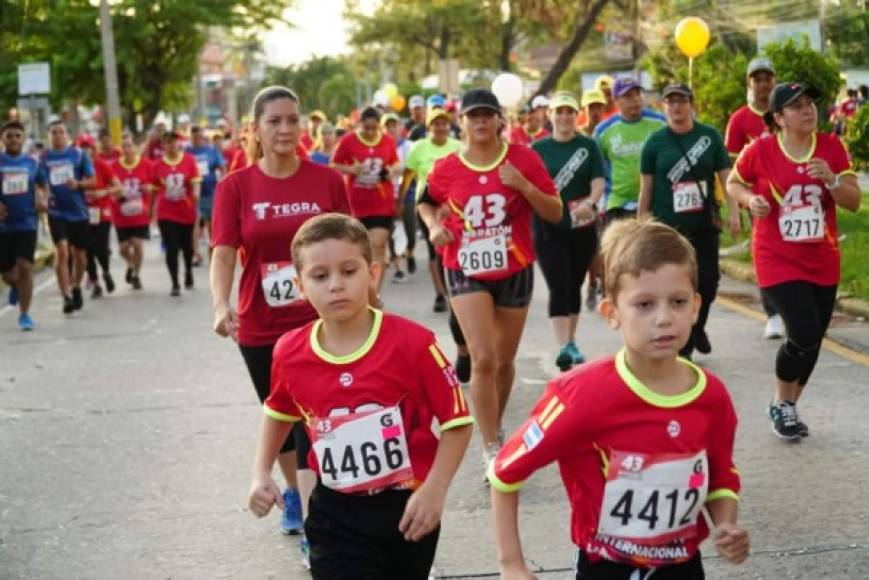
540, 101
183, 118
416, 101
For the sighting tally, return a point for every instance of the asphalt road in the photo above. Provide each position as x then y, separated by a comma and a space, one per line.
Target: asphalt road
127, 433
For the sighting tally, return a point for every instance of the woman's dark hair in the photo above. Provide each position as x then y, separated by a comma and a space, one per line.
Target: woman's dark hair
264, 97
370, 113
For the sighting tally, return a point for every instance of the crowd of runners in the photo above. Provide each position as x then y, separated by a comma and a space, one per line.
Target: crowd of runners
364, 414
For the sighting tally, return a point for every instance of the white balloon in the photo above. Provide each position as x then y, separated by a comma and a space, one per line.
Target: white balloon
508, 88
380, 98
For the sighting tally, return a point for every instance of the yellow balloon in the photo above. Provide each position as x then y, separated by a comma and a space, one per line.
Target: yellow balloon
692, 36
397, 103
390, 90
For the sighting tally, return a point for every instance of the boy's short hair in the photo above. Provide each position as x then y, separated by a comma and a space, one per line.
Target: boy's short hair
14, 124
330, 226
633, 246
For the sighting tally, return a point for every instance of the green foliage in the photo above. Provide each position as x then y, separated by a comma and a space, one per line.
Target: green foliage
857, 138
846, 28
855, 250
323, 83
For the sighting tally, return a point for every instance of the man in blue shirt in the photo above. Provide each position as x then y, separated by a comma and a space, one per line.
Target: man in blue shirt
20, 196
210, 163
68, 172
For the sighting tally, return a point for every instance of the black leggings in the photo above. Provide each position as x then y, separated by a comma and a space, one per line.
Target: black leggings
564, 257
98, 249
607, 570
806, 310
706, 248
177, 237
259, 364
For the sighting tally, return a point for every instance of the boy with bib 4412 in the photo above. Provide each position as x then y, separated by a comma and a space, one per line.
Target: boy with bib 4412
643, 439
384, 410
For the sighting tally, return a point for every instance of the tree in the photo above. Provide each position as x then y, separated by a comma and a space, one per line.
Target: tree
324, 83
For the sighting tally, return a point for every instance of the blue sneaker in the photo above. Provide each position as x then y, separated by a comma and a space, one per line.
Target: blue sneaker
305, 548
578, 359
13, 295
291, 519
564, 360
25, 323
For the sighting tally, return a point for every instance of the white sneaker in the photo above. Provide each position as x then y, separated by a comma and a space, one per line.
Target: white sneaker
489, 452
775, 327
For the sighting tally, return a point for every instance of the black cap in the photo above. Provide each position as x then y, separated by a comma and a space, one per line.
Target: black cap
480, 99
786, 93
677, 89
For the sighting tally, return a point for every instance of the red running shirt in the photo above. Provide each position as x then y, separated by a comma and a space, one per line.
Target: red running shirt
519, 136
812, 252
175, 202
100, 208
135, 208
260, 215
399, 365
743, 127
369, 194
482, 210
637, 466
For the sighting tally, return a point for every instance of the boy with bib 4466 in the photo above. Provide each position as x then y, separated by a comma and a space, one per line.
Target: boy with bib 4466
643, 439
372, 390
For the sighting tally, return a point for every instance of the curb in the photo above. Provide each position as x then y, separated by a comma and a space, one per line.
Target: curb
745, 273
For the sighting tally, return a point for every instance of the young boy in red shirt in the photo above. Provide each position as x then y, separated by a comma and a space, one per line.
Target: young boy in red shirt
385, 412
643, 439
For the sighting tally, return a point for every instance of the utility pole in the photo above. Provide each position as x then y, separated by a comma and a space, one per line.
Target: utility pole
110, 72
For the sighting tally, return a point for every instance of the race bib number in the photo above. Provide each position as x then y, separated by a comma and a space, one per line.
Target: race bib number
575, 221
688, 196
15, 183
278, 285
801, 223
175, 186
370, 175
132, 207
60, 174
483, 255
202, 165
94, 215
653, 499
362, 452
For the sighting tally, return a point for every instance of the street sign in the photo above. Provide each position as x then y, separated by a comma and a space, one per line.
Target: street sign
34, 78
33, 103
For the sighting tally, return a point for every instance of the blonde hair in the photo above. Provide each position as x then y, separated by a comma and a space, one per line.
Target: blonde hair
254, 148
330, 226
633, 246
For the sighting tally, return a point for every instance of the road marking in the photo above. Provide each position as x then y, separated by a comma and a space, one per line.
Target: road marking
834, 347
8, 308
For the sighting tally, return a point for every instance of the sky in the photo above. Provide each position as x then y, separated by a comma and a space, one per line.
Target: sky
320, 30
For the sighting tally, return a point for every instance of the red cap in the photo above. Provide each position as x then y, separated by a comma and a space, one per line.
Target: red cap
85, 140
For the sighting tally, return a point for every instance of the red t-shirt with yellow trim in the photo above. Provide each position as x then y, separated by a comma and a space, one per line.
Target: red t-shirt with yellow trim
480, 206
134, 210
744, 126
175, 202
104, 177
399, 365
370, 195
600, 423
785, 183
520, 136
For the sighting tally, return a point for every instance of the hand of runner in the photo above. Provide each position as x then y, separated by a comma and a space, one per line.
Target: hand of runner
758, 206
399, 209
512, 177
72, 184
517, 571
732, 542
583, 212
264, 493
820, 169
440, 236
734, 222
356, 168
226, 322
422, 512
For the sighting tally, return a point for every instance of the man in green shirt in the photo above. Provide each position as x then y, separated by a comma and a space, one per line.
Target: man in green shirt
621, 139
679, 164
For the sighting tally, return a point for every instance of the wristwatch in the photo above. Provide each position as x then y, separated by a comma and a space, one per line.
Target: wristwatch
835, 182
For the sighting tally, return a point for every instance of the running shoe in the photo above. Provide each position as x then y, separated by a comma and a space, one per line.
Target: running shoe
77, 299
801, 426
440, 303
128, 277
411, 264
176, 291
188, 280
110, 282
13, 295
591, 297
399, 277
137, 284
305, 548
97, 292
578, 358
68, 305
701, 342
490, 451
784, 421
291, 519
564, 360
25, 323
775, 327
463, 368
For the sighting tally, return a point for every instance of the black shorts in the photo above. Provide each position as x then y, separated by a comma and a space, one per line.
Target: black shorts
16, 246
138, 232
512, 292
606, 570
356, 537
76, 234
377, 221
432, 254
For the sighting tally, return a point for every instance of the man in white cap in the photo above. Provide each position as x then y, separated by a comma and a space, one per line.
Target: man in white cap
416, 104
744, 126
534, 128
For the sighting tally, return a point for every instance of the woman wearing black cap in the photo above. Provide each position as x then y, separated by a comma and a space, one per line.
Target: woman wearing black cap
792, 182
489, 192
